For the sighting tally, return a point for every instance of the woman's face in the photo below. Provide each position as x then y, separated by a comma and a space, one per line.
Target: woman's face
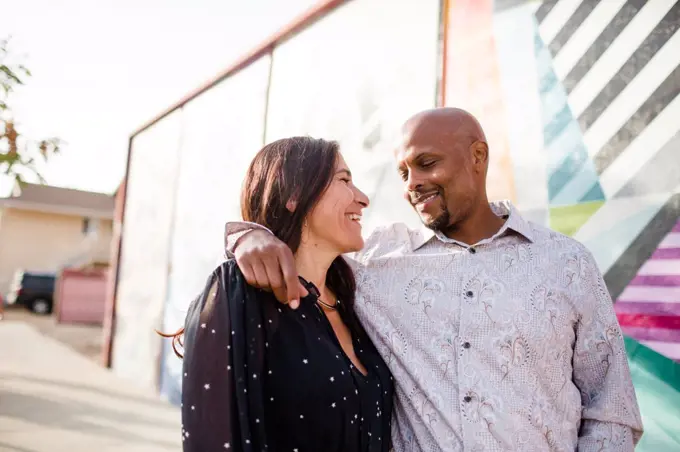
334, 223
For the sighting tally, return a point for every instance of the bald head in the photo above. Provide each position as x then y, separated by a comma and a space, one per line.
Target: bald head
445, 124
443, 159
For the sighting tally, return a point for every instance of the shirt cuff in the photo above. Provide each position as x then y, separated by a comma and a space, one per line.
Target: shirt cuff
234, 230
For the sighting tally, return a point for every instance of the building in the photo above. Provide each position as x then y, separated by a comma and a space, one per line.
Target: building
579, 100
45, 229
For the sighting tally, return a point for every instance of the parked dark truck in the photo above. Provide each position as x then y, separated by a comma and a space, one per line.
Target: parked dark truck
35, 291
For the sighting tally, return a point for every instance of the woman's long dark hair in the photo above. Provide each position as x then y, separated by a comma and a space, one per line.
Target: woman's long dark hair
299, 169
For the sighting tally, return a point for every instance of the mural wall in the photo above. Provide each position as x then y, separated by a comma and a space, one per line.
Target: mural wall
580, 103
145, 253
223, 129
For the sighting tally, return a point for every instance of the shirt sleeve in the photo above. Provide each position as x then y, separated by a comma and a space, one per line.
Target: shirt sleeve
222, 384
610, 415
234, 230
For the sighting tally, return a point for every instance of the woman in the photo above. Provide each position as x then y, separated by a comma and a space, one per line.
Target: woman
258, 376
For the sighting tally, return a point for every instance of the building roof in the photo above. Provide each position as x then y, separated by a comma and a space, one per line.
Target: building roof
46, 198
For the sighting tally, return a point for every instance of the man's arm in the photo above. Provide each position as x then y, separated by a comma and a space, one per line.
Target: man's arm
268, 263
610, 414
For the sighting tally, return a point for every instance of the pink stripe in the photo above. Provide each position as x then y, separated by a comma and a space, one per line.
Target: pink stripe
666, 253
667, 349
656, 280
676, 228
651, 334
651, 293
645, 307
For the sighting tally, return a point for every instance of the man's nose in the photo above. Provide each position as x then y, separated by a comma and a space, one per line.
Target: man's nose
413, 183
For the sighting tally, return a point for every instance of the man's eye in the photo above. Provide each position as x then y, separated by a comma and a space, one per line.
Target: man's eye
427, 163
347, 181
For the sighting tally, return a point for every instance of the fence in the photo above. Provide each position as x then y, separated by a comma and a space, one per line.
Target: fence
80, 296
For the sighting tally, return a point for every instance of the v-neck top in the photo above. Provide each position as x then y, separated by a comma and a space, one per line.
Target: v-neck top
261, 376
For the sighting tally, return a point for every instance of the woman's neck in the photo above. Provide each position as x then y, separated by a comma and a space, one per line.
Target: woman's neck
312, 262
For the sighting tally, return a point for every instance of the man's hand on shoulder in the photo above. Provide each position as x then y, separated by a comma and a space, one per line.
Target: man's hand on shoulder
268, 263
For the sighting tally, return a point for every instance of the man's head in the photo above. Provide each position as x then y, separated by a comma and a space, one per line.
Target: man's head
442, 159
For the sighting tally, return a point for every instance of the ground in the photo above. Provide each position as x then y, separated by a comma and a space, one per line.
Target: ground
85, 339
54, 398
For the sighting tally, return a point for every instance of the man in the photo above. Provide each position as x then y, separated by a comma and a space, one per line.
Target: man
500, 333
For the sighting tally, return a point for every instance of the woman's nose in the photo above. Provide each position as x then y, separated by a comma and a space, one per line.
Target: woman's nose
361, 198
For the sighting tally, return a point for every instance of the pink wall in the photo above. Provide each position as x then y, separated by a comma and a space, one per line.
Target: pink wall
81, 296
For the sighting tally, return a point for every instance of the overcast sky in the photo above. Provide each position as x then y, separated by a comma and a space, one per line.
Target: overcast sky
103, 67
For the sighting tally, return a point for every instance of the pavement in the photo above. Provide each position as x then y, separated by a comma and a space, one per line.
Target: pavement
54, 399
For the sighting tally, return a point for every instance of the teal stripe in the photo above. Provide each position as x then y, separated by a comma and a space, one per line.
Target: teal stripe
657, 385
558, 123
594, 194
570, 166
571, 174
561, 147
579, 184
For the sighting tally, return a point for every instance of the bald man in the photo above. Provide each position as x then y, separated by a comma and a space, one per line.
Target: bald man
500, 333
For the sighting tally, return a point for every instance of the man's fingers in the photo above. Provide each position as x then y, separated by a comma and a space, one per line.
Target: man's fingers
248, 273
281, 294
290, 277
260, 275
274, 275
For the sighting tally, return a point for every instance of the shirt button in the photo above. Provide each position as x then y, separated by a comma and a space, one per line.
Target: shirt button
472, 250
467, 399
469, 294
466, 345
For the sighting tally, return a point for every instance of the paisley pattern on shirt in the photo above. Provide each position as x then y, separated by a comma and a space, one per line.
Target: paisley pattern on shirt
511, 344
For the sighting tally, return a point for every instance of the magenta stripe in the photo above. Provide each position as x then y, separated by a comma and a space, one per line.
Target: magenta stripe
646, 307
652, 334
676, 228
666, 253
656, 280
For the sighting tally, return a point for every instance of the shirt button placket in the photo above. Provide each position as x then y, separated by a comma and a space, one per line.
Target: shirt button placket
464, 354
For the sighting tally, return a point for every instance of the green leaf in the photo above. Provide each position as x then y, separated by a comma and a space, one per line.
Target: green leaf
25, 70
11, 75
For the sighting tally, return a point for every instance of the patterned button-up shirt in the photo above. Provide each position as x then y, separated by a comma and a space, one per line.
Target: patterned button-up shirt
511, 344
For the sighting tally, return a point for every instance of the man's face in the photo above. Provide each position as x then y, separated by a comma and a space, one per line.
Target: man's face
438, 178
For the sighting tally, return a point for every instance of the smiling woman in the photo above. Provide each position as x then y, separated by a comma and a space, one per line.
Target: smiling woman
258, 374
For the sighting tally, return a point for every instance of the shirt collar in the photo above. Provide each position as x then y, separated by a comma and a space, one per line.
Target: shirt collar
504, 208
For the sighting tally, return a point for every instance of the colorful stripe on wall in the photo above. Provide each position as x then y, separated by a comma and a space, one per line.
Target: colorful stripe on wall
649, 307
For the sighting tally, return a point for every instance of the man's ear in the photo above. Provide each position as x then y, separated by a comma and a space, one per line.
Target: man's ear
480, 155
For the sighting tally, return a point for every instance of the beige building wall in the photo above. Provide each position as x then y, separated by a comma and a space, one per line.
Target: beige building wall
44, 242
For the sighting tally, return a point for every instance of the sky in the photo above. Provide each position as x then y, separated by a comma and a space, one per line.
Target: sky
101, 68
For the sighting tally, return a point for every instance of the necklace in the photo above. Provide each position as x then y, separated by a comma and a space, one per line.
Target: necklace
330, 307
314, 291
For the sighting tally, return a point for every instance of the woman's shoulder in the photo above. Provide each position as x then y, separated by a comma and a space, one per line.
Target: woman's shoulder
232, 277
229, 270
